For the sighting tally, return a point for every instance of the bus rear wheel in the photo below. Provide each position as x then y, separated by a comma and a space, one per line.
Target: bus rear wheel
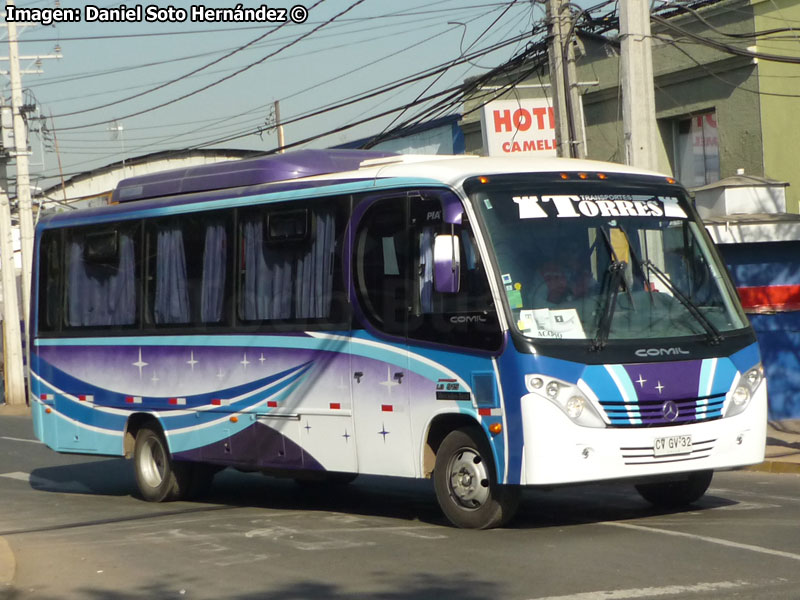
466, 484
159, 478
678, 492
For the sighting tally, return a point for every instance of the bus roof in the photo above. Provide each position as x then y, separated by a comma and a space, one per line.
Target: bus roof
322, 170
320, 165
453, 170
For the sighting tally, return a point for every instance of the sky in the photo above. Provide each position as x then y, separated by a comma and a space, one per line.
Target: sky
126, 89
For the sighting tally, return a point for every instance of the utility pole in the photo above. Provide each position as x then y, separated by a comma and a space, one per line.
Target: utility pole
117, 131
638, 88
279, 127
23, 180
12, 342
14, 369
563, 81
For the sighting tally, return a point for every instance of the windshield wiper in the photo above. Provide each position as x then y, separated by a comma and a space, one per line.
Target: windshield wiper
714, 336
613, 279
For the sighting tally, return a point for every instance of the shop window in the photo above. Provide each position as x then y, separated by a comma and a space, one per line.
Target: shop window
697, 150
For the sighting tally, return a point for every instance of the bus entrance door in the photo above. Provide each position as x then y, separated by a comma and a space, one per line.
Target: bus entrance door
383, 279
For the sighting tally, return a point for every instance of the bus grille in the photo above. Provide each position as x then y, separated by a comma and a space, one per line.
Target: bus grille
663, 413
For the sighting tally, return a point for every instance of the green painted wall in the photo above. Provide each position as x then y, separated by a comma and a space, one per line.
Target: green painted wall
779, 84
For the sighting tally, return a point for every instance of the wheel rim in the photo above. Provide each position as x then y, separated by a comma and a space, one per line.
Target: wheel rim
153, 463
468, 479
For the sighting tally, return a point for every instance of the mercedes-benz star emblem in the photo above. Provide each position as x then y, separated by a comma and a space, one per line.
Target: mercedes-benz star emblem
670, 410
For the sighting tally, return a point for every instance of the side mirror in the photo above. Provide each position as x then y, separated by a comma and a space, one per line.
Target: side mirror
446, 264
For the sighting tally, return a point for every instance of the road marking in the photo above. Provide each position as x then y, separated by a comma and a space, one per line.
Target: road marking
41, 483
710, 540
746, 506
8, 563
13, 439
651, 592
305, 539
17, 475
760, 495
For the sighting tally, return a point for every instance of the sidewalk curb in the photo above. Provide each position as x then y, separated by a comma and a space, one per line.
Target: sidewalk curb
14, 410
8, 564
774, 466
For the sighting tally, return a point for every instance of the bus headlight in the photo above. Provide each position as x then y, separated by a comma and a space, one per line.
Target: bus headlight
574, 407
533, 382
567, 397
744, 391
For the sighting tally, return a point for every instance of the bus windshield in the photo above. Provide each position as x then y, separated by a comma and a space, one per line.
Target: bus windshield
595, 261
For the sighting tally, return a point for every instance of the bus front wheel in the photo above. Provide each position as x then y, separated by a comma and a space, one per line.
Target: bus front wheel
466, 485
676, 493
159, 478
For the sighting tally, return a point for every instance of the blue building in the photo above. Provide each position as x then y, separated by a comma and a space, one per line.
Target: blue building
761, 244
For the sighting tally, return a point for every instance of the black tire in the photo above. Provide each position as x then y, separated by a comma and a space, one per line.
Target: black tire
159, 478
676, 493
466, 484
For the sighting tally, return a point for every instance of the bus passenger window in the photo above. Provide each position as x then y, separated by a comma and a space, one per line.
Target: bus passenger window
188, 270
287, 264
101, 278
50, 282
214, 276
171, 304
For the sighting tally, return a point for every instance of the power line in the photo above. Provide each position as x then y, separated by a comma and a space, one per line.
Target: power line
205, 128
432, 83
421, 76
182, 77
90, 38
348, 44
727, 48
42, 82
755, 34
367, 95
459, 88
234, 74
736, 86
540, 57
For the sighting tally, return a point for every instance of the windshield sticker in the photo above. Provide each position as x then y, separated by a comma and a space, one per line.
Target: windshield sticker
514, 298
551, 323
506, 278
621, 205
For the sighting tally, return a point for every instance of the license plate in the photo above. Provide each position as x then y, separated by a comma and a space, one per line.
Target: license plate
674, 444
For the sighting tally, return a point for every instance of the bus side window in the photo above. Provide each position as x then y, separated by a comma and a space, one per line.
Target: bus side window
51, 297
187, 270
102, 277
288, 263
169, 284
465, 318
214, 287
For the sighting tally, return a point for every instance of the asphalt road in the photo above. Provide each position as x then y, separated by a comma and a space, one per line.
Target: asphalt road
78, 531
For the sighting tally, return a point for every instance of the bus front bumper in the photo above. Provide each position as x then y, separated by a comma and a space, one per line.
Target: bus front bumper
558, 451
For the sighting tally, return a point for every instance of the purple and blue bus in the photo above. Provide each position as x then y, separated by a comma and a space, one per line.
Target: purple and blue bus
488, 323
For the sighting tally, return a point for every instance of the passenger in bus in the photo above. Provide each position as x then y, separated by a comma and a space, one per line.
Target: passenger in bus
565, 277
